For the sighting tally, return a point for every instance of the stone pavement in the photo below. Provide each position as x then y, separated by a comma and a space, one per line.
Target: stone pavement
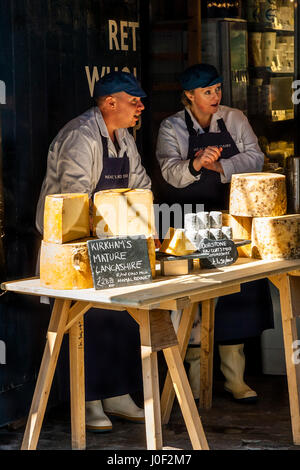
228, 425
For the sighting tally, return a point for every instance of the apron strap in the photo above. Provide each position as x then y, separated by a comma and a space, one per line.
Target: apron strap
104, 146
221, 125
189, 124
192, 131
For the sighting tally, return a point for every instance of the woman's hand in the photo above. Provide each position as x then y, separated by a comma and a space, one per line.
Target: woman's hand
208, 158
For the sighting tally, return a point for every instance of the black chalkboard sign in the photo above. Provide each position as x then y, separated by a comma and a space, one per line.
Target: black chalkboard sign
119, 261
217, 253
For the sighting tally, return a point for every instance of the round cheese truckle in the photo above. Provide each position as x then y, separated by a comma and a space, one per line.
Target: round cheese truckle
276, 237
65, 266
258, 195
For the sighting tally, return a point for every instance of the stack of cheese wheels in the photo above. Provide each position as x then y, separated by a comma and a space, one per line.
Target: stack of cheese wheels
125, 212
64, 260
257, 211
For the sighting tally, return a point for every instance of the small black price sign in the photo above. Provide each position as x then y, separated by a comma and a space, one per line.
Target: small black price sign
217, 253
119, 261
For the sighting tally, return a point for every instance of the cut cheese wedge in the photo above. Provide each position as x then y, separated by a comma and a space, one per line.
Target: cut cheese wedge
65, 266
176, 243
121, 212
258, 195
241, 230
276, 237
66, 217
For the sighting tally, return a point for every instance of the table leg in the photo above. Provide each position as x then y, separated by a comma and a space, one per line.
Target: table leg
185, 398
55, 334
290, 336
151, 399
206, 353
183, 335
77, 385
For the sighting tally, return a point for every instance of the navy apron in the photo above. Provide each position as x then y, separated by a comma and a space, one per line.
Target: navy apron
250, 311
111, 339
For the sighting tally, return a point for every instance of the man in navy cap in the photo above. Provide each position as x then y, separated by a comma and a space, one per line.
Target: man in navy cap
199, 149
95, 152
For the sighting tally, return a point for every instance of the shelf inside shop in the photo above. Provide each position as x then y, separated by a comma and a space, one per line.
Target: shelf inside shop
256, 69
256, 27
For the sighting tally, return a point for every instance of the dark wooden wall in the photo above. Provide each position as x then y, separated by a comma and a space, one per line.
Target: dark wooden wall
51, 53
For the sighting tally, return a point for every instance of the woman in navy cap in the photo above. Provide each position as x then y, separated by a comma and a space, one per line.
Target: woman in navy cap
95, 152
198, 150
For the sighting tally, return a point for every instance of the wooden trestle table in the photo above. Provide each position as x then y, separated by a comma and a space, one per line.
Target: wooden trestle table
149, 304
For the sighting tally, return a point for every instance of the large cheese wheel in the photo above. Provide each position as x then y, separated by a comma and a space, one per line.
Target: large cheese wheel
65, 266
241, 229
124, 212
176, 243
258, 195
276, 237
66, 217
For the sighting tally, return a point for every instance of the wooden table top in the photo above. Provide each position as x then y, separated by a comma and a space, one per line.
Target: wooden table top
164, 288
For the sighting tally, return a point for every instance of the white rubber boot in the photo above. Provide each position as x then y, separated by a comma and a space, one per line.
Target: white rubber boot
233, 367
124, 407
192, 357
95, 418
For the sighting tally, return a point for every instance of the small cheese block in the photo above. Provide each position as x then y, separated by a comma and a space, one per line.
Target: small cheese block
258, 195
65, 266
276, 237
176, 243
176, 267
121, 212
241, 230
66, 217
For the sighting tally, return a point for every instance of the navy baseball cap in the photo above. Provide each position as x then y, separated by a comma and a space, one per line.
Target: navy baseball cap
200, 76
114, 82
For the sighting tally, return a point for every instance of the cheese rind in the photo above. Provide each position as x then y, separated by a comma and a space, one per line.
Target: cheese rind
152, 255
258, 195
276, 237
65, 266
122, 212
176, 243
66, 217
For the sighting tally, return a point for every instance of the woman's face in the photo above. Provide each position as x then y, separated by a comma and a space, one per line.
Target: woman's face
206, 100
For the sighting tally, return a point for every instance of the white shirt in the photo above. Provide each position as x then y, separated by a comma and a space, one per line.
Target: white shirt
173, 142
75, 160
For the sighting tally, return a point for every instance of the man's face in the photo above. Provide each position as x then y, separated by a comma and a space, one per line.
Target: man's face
128, 109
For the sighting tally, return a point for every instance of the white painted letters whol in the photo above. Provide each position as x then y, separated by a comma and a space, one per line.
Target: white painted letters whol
2, 352
2, 92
